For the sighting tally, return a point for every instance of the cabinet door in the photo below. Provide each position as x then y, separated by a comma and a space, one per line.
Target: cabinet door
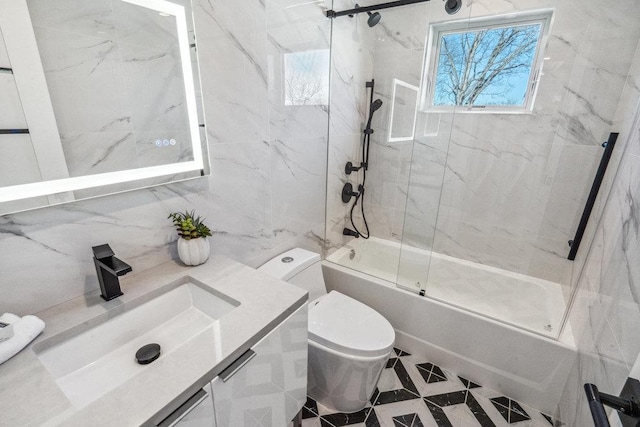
195, 412
270, 388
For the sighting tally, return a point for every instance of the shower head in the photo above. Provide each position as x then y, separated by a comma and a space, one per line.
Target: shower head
452, 6
375, 105
374, 18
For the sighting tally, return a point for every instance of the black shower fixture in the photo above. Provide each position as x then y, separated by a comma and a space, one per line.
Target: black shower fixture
375, 106
452, 6
348, 193
348, 168
374, 18
349, 232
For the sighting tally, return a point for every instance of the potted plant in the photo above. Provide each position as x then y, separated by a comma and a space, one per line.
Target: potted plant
193, 246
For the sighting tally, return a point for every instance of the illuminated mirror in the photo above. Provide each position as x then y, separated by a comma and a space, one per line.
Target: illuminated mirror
101, 98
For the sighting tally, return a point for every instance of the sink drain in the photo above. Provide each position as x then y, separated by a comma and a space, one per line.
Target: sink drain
148, 353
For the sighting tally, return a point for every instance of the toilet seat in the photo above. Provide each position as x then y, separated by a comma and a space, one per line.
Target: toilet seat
348, 326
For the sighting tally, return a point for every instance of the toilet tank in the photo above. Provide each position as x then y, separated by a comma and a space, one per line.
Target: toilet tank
298, 267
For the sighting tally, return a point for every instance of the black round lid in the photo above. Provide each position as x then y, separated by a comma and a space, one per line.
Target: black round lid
148, 353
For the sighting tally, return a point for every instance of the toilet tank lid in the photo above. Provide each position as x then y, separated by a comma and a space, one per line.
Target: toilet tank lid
290, 263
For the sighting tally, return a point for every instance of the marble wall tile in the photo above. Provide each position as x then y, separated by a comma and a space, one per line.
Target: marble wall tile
298, 168
238, 95
237, 90
342, 149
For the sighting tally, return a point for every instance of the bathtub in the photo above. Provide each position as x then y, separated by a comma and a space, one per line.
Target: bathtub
527, 302
477, 342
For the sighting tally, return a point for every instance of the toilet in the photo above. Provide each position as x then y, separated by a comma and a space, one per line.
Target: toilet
349, 342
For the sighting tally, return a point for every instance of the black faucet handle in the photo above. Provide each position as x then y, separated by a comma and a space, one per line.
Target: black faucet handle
102, 251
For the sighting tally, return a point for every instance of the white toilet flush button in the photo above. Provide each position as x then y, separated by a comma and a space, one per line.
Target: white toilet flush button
158, 143
165, 142
172, 141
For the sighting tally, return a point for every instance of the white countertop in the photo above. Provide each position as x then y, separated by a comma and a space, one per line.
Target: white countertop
29, 395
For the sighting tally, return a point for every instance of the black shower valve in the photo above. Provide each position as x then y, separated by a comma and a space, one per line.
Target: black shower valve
348, 168
348, 193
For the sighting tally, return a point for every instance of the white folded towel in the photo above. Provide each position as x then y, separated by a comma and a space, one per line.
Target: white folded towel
7, 331
9, 318
25, 330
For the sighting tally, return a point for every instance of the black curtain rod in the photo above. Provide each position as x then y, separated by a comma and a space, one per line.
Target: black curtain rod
333, 14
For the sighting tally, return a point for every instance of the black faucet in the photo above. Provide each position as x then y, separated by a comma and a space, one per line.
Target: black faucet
109, 268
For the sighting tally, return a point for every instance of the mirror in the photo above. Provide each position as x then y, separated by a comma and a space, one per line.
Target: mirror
100, 96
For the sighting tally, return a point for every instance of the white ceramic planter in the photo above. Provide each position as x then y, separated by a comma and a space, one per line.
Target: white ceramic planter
194, 251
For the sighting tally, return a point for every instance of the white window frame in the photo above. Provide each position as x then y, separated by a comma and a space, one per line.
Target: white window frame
432, 53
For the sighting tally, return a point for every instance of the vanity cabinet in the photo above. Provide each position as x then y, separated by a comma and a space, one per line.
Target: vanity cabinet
267, 385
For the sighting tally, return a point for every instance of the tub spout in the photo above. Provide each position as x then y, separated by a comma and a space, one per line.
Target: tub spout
349, 232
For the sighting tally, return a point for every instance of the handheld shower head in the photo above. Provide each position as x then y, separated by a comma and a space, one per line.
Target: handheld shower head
375, 105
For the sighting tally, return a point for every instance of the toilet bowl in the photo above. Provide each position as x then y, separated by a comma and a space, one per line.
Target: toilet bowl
349, 342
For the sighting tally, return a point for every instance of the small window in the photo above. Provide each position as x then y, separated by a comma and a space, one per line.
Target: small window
306, 77
485, 64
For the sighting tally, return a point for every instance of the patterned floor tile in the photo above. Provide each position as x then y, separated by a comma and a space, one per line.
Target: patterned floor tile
417, 368
396, 385
408, 420
311, 422
394, 414
413, 392
537, 419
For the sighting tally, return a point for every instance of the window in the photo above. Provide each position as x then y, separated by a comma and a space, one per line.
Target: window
306, 77
485, 64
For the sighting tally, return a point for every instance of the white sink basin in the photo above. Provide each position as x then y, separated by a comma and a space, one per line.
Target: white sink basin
99, 357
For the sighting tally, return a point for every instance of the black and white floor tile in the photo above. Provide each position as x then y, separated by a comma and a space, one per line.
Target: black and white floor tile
412, 392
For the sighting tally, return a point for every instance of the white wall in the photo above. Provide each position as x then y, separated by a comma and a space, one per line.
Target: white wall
266, 193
